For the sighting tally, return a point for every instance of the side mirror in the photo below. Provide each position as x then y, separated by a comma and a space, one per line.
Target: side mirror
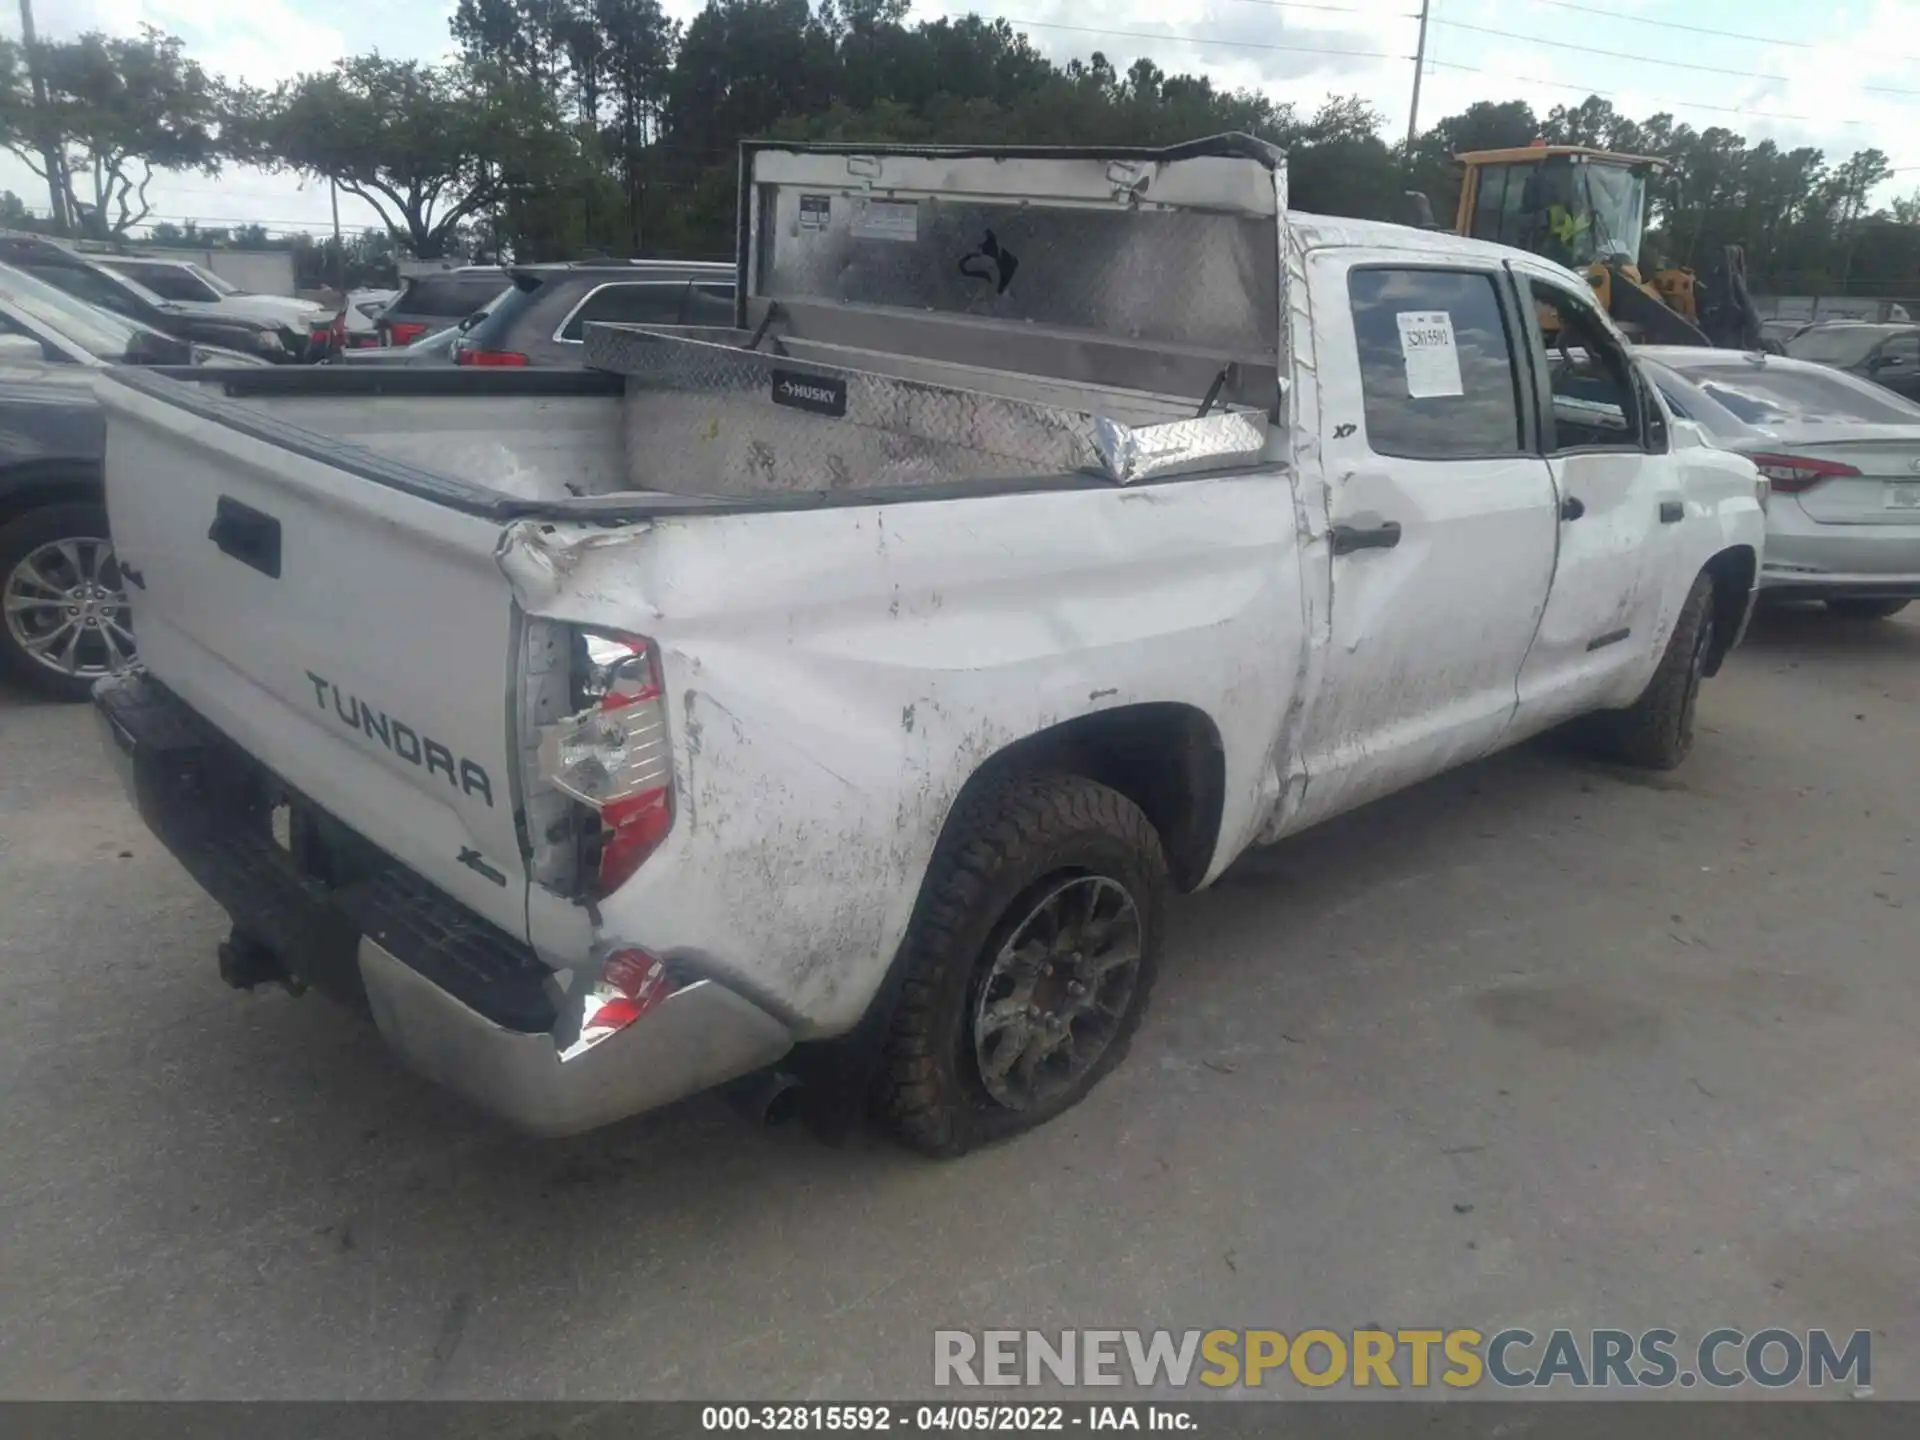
1688, 435
1418, 211
150, 347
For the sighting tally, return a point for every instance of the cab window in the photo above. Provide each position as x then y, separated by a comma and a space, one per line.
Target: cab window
1597, 396
1437, 374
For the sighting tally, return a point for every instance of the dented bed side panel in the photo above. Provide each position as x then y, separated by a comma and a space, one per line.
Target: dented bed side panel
835, 677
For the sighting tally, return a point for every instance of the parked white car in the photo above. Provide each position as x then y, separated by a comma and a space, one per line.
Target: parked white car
359, 316
194, 286
847, 691
1842, 457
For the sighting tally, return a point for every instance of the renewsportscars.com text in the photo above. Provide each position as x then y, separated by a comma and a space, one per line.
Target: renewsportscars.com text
1512, 1358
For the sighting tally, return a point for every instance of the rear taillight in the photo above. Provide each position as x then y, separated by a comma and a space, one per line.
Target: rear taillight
403, 332
631, 983
467, 355
613, 756
1795, 474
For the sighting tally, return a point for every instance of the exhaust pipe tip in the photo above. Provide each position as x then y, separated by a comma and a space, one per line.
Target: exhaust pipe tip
769, 1099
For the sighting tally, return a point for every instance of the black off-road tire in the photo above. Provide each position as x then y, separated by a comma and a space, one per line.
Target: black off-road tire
19, 538
1656, 731
1012, 839
1867, 609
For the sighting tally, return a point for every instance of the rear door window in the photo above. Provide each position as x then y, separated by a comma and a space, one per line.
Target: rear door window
649, 303
1437, 373
447, 297
89, 285
710, 305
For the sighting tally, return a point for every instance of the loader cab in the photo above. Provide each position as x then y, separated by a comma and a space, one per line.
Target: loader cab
1569, 203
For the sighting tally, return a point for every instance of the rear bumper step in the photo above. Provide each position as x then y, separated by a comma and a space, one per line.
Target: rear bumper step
461, 1001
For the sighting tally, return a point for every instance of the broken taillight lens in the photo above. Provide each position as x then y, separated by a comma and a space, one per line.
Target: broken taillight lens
631, 983
613, 755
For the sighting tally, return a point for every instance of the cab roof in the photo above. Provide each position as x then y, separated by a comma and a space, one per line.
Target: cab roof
1326, 232
1539, 152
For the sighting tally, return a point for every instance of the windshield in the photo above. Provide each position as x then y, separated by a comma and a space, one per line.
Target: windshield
1839, 344
101, 335
1762, 395
1617, 198
220, 285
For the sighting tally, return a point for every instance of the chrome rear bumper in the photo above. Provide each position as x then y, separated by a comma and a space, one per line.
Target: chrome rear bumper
696, 1038
460, 1001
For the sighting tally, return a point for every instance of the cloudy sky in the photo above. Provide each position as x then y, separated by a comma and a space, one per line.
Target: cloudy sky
1840, 78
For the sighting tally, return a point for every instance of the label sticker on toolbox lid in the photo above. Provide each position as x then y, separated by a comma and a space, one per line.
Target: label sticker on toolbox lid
816, 212
886, 220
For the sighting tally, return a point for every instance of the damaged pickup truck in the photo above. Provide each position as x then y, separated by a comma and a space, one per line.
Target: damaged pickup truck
844, 693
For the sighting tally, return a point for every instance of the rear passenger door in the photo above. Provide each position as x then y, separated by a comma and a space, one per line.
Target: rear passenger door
1442, 519
1620, 508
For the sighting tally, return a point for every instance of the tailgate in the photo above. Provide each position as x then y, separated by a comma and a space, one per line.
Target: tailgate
355, 638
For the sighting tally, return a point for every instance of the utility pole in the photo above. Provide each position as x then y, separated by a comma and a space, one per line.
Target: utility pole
50, 153
1419, 65
339, 250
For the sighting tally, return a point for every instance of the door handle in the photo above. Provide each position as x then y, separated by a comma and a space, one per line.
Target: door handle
1572, 508
1672, 512
1349, 538
250, 536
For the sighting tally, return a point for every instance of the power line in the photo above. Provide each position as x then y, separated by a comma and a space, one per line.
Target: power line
1333, 9
1640, 20
1751, 114
1645, 59
1204, 40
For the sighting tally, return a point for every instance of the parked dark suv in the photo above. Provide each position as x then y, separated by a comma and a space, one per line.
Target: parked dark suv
436, 300
542, 320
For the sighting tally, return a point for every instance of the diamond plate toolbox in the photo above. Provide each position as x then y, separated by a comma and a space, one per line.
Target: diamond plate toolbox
928, 317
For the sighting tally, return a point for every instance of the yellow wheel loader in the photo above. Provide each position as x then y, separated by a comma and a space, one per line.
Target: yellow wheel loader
1587, 209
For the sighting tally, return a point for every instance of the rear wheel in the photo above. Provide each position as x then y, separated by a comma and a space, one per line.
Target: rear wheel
1866, 609
66, 618
1028, 963
1656, 731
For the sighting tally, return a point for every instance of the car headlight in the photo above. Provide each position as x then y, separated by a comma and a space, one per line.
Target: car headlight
268, 342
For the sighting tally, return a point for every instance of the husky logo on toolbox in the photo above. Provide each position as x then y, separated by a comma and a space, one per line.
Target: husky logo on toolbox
402, 739
821, 394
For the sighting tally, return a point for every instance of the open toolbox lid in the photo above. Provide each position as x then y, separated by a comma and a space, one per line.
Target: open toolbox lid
976, 312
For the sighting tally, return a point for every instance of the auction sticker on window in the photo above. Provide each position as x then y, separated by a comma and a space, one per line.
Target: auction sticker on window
1426, 343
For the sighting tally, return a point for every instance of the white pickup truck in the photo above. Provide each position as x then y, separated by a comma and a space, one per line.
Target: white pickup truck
843, 694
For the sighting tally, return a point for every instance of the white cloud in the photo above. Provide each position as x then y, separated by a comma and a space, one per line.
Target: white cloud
257, 40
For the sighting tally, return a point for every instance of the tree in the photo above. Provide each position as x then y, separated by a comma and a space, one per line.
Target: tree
116, 110
427, 146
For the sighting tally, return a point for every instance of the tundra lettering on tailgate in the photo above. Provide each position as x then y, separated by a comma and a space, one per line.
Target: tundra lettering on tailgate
402, 739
